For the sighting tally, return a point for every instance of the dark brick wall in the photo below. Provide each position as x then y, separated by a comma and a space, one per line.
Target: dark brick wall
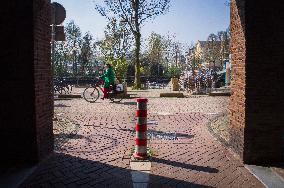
264, 82
25, 123
43, 77
256, 105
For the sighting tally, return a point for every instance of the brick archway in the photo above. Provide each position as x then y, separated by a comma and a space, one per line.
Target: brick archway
256, 106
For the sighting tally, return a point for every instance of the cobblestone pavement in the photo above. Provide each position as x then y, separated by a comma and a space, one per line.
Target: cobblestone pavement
97, 153
195, 158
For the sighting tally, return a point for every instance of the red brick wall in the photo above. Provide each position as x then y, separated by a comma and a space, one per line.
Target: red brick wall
256, 105
238, 84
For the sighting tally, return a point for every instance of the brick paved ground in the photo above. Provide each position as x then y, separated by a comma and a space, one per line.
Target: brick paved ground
97, 153
196, 158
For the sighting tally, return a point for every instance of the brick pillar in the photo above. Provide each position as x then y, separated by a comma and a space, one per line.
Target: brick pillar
237, 100
26, 108
256, 105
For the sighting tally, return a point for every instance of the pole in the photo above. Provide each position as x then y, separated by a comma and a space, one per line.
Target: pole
141, 130
52, 47
52, 56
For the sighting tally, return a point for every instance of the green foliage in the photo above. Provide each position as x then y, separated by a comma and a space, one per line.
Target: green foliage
173, 71
115, 46
73, 43
132, 150
156, 48
117, 41
75, 56
150, 152
155, 57
86, 55
134, 14
120, 67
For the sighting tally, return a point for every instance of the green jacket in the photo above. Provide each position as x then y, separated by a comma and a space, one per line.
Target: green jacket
108, 77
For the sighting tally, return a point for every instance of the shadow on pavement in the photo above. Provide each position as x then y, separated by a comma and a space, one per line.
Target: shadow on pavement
178, 135
186, 166
128, 103
62, 170
61, 105
69, 136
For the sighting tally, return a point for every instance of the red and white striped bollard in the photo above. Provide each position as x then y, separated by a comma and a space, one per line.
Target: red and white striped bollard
141, 129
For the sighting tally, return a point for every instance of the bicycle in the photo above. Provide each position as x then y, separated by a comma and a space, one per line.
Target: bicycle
92, 92
61, 86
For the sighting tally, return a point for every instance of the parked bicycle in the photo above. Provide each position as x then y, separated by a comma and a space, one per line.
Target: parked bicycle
93, 92
61, 86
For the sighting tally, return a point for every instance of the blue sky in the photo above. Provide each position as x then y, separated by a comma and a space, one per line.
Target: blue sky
189, 20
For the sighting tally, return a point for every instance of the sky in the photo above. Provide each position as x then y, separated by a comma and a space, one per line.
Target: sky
188, 20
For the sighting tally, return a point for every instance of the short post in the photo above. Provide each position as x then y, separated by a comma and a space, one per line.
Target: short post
141, 130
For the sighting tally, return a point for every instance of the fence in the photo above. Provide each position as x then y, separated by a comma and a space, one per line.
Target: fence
83, 81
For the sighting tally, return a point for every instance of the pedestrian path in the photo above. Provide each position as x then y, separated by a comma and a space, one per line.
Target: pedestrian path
98, 155
195, 158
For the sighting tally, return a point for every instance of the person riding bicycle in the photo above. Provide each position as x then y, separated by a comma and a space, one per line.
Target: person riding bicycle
108, 77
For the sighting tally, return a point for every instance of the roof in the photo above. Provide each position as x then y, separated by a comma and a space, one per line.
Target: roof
204, 43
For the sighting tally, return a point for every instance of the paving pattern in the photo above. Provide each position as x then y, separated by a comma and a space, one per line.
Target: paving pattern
195, 158
97, 153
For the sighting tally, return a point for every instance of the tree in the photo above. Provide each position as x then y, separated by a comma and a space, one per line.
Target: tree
117, 41
60, 58
212, 53
155, 54
76, 50
115, 46
174, 71
86, 56
224, 38
218, 47
190, 57
177, 53
135, 13
174, 50
73, 36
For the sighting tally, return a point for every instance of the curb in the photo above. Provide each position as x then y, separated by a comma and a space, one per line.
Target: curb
69, 96
177, 95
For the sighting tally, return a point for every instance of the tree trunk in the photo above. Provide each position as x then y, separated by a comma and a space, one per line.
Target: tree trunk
176, 58
74, 64
137, 81
137, 34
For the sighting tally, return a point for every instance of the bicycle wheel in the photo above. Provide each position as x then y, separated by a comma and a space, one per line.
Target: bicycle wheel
55, 89
62, 90
91, 94
67, 89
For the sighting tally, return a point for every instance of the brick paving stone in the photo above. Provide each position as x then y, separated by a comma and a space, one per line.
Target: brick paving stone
97, 153
208, 159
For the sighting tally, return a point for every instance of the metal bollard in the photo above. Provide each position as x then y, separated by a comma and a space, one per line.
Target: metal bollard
141, 130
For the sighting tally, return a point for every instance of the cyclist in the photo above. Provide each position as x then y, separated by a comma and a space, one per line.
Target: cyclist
108, 77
